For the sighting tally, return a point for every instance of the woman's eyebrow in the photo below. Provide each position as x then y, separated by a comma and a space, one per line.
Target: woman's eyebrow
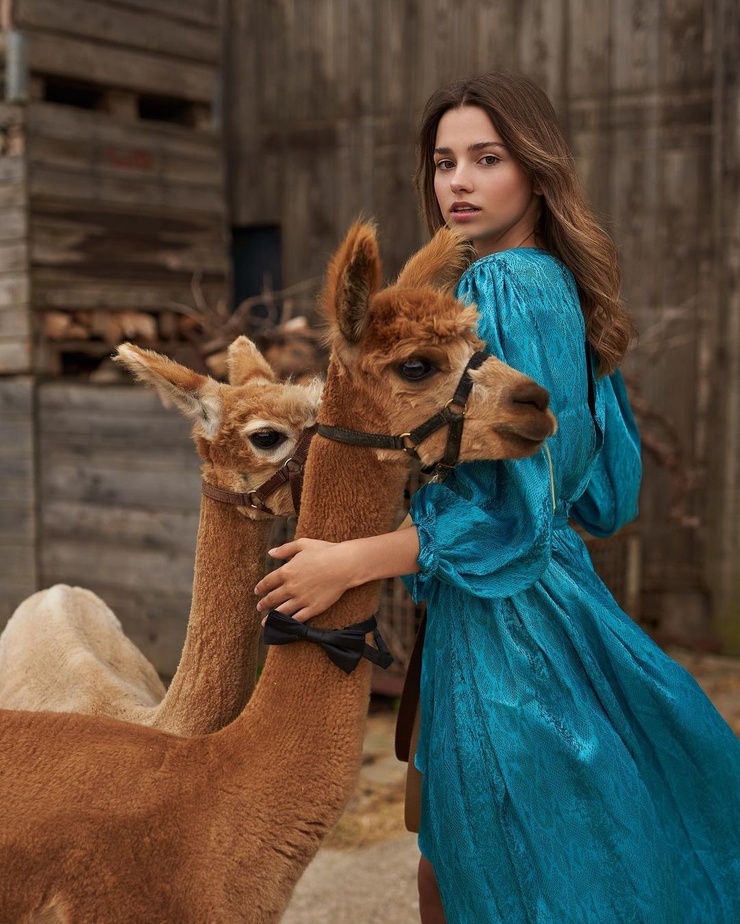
478, 146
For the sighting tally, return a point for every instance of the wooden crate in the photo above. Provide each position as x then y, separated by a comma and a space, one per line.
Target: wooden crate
112, 171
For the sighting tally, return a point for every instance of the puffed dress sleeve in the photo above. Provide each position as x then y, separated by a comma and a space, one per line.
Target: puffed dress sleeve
487, 530
610, 499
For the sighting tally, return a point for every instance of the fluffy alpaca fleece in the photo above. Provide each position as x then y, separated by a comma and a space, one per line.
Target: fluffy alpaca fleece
64, 650
120, 823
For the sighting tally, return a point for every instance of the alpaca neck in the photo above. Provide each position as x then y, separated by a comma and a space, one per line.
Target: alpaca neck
217, 669
301, 734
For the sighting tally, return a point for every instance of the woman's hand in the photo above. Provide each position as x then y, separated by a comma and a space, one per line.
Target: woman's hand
316, 575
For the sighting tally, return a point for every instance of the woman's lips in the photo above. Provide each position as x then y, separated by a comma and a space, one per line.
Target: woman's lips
462, 210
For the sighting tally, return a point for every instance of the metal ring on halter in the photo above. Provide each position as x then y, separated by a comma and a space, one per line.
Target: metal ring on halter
452, 401
412, 447
259, 504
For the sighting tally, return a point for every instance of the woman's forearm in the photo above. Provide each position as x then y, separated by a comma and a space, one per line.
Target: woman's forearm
385, 556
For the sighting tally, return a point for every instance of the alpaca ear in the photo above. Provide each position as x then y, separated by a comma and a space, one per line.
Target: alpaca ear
245, 362
439, 264
353, 276
197, 396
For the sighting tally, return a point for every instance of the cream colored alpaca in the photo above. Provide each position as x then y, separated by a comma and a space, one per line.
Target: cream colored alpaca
108, 821
64, 649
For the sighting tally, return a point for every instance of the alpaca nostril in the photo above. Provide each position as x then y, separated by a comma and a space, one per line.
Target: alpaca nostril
533, 394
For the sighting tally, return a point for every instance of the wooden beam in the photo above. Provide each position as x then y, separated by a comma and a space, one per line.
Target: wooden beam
116, 67
722, 530
147, 30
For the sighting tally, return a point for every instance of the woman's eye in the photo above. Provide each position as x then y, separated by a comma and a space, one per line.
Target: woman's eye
444, 165
489, 160
415, 368
266, 439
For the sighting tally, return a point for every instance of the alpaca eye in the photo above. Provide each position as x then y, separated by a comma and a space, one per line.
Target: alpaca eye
266, 439
415, 368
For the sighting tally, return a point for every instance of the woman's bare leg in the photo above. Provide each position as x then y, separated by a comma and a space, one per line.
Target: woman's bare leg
430, 902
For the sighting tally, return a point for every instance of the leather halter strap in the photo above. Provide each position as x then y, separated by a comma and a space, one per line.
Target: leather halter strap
409, 442
290, 471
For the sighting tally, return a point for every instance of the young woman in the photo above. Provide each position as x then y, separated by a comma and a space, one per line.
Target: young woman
571, 771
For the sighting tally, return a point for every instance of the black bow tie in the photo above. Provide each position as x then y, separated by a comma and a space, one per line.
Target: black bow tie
345, 647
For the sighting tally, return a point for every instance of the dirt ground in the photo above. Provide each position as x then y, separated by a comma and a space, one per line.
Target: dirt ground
366, 871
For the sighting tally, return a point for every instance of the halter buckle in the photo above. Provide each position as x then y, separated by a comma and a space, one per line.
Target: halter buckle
256, 502
409, 448
449, 405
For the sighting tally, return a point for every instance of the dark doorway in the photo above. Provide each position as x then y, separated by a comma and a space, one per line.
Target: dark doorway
257, 264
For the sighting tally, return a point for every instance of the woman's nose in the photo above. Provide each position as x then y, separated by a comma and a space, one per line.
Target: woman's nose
460, 181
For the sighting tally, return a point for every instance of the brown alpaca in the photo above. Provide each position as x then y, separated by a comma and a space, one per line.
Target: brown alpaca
119, 823
64, 650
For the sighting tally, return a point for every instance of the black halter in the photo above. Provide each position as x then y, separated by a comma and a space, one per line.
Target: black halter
452, 415
291, 470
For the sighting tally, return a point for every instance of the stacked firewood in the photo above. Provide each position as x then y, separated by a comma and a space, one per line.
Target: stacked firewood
198, 334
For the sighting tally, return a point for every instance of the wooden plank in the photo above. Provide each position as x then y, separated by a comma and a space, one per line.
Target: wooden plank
163, 529
588, 66
206, 12
13, 224
144, 448
11, 114
163, 139
124, 404
723, 510
15, 357
55, 289
17, 564
15, 324
109, 24
115, 565
17, 439
541, 28
13, 256
47, 183
635, 33
133, 486
12, 169
17, 524
16, 399
116, 67
86, 155
687, 58
13, 195
118, 251
14, 290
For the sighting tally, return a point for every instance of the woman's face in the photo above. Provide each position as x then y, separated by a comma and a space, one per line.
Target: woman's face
481, 190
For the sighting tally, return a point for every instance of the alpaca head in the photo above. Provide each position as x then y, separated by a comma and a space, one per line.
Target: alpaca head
244, 430
404, 348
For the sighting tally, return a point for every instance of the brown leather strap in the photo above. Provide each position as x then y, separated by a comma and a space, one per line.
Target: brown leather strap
225, 497
410, 696
291, 470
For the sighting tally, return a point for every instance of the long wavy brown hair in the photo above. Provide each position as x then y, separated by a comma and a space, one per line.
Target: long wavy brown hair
525, 119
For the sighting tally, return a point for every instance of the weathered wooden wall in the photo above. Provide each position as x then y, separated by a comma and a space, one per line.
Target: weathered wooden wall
18, 548
119, 493
103, 210
323, 103
15, 317
112, 201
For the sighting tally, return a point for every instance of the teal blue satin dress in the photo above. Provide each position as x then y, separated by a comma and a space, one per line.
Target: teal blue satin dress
572, 772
